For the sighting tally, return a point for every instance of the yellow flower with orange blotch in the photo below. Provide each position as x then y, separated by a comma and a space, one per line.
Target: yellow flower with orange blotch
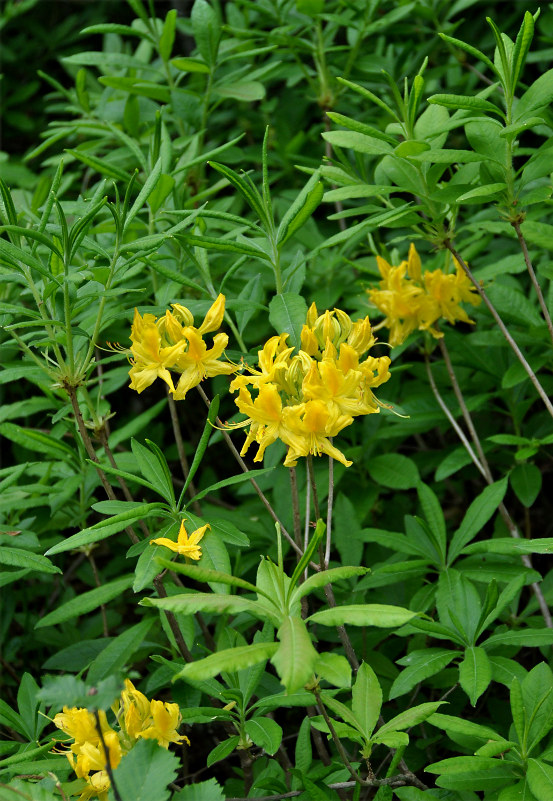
166, 718
185, 545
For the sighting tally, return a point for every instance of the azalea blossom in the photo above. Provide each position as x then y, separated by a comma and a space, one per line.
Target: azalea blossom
305, 398
185, 545
413, 300
172, 344
137, 716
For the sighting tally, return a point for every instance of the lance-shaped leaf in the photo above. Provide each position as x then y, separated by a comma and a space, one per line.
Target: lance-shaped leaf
301, 209
198, 573
214, 603
296, 657
366, 700
86, 602
230, 659
326, 577
380, 615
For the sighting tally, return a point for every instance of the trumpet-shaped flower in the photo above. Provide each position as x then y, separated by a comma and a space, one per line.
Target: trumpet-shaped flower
199, 362
171, 344
306, 398
411, 299
166, 719
137, 717
185, 545
150, 360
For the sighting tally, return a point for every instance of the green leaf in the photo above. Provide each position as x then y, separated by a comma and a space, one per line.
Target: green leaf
463, 727
210, 790
540, 778
230, 659
334, 668
360, 143
190, 65
477, 54
16, 557
296, 657
486, 191
301, 209
538, 95
475, 673
246, 189
467, 102
211, 602
105, 528
37, 442
206, 30
526, 481
167, 37
433, 515
287, 315
224, 245
394, 470
86, 602
145, 773
197, 573
530, 637
202, 445
420, 665
325, 577
265, 733
119, 652
366, 700
246, 91
474, 773
251, 475
413, 716
98, 165
476, 517
222, 751
153, 466
511, 545
379, 615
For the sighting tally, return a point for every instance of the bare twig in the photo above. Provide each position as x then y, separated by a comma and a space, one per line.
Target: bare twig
180, 450
502, 327
109, 770
533, 277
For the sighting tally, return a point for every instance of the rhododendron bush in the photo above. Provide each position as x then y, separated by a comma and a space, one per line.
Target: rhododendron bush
276, 401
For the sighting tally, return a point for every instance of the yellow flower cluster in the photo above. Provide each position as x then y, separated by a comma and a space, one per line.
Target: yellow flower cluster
172, 343
137, 718
307, 398
412, 300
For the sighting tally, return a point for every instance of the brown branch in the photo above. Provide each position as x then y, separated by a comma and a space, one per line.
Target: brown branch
502, 327
533, 277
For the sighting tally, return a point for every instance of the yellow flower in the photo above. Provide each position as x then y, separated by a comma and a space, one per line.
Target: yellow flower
97, 787
150, 359
411, 299
185, 545
264, 418
80, 725
306, 398
197, 362
310, 425
166, 719
135, 708
173, 343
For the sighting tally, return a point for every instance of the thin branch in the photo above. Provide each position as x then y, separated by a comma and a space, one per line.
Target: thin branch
482, 466
99, 584
533, 277
180, 450
295, 505
172, 620
330, 503
71, 391
116, 794
502, 327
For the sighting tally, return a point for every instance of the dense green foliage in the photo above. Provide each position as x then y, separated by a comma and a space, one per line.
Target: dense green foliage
378, 631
